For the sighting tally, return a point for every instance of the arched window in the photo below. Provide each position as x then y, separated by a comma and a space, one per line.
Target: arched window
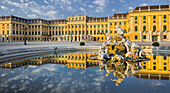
154, 28
144, 28
136, 28
164, 28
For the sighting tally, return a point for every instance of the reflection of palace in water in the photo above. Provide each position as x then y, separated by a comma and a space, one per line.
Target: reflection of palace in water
157, 68
78, 61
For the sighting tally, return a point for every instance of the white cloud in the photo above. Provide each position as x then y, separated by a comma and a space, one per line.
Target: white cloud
12, 10
32, 15
157, 83
99, 9
21, 1
143, 4
70, 8
113, 10
68, 2
122, 1
46, 2
82, 9
91, 6
3, 7
99, 2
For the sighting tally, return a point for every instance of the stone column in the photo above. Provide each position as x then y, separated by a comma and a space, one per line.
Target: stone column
11, 32
15, 28
151, 33
169, 20
149, 22
80, 37
141, 36
140, 23
66, 38
104, 28
160, 22
131, 24
109, 27
73, 37
160, 36
70, 38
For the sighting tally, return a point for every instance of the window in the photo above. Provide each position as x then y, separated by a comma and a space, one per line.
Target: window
124, 23
125, 31
154, 57
111, 31
164, 63
154, 21
136, 22
164, 57
98, 31
164, 36
115, 23
106, 31
164, 16
115, 32
3, 32
164, 21
90, 32
154, 63
154, 17
144, 21
154, 28
144, 36
119, 23
102, 31
144, 67
110, 23
164, 68
144, 28
79, 32
144, 17
136, 37
136, 28
136, 18
94, 31
154, 67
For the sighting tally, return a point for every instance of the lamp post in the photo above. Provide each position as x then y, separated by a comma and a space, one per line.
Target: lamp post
25, 28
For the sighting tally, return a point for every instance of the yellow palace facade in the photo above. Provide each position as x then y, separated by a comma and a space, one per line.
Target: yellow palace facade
144, 23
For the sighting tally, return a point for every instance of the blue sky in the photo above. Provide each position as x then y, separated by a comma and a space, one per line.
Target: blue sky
60, 9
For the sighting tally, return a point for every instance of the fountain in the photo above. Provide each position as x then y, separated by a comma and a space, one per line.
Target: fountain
118, 48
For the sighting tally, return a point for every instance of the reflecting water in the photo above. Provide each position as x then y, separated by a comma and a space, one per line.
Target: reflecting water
65, 73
